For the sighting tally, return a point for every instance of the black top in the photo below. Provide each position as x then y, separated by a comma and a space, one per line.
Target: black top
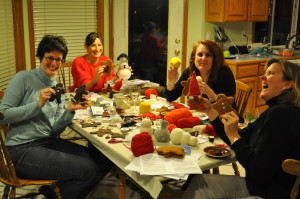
264, 145
224, 83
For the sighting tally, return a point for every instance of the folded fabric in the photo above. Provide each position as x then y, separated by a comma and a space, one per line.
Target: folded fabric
152, 116
177, 105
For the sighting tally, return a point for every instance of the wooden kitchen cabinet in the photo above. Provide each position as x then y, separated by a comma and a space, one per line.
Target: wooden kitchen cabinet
236, 10
250, 72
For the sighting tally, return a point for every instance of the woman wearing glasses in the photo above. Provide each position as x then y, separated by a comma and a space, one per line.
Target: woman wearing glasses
35, 122
87, 69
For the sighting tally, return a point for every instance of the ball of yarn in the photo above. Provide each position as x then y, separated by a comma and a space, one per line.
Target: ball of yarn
142, 144
150, 91
145, 107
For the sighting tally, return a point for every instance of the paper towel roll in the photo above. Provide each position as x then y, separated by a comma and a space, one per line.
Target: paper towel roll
254, 46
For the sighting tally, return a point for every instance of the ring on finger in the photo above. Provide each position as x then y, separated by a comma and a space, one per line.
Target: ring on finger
226, 118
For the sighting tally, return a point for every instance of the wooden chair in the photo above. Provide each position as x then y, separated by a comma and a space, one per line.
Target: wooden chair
9, 177
241, 98
65, 76
292, 166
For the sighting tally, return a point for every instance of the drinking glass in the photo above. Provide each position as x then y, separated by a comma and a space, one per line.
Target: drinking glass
251, 115
135, 95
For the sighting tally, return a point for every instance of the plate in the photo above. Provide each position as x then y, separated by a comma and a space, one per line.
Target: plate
211, 151
230, 57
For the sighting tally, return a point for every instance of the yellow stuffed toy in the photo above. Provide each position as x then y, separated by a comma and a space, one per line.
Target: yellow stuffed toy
175, 62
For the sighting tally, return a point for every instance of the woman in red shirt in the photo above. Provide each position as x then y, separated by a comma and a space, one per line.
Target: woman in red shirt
87, 69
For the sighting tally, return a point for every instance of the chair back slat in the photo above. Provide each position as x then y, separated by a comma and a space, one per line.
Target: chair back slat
292, 167
65, 75
241, 96
8, 171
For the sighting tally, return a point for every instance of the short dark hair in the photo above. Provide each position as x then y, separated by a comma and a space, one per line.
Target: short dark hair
91, 37
51, 43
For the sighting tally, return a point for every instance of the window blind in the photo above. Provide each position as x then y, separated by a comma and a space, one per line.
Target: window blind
7, 44
72, 19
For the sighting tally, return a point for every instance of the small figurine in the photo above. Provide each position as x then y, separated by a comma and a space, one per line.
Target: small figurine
59, 91
175, 62
162, 134
79, 93
109, 65
124, 72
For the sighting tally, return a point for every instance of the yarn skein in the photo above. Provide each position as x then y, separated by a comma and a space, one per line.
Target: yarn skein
142, 144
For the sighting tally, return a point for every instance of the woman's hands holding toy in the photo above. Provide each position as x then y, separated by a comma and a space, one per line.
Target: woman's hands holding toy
45, 95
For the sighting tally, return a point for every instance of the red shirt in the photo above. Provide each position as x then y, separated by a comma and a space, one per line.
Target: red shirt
83, 72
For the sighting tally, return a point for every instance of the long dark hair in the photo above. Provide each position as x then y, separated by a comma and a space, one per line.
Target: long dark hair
218, 58
91, 37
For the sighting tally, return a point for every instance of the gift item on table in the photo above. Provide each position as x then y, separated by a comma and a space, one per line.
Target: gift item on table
146, 126
171, 151
123, 72
145, 107
149, 92
142, 144
209, 130
162, 134
179, 136
189, 122
117, 86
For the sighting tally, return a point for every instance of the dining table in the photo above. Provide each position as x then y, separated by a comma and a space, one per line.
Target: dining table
121, 155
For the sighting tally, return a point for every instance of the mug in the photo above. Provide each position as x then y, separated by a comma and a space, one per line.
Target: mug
121, 102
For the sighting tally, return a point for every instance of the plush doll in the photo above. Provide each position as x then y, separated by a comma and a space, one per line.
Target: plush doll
162, 134
194, 94
179, 136
109, 65
123, 72
175, 62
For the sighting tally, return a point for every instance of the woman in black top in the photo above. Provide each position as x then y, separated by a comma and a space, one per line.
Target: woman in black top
263, 145
207, 60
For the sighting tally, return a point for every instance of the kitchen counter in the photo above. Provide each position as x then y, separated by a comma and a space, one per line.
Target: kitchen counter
256, 59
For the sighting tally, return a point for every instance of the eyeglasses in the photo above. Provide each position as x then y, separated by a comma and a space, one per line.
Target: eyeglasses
51, 59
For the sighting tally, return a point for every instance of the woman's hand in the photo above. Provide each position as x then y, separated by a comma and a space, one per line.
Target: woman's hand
45, 95
230, 121
99, 72
79, 105
205, 89
207, 108
172, 77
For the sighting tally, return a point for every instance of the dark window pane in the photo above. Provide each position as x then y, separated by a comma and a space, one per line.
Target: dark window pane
148, 30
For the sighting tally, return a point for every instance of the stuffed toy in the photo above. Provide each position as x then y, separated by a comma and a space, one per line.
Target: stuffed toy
175, 62
209, 130
189, 122
194, 95
109, 65
179, 136
117, 87
173, 116
123, 72
162, 134
150, 91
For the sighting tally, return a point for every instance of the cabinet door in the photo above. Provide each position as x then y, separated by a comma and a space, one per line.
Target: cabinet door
258, 10
214, 10
236, 10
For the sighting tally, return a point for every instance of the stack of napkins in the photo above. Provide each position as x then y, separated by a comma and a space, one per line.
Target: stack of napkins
154, 164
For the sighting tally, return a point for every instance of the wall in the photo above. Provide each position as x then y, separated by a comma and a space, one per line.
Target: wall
198, 28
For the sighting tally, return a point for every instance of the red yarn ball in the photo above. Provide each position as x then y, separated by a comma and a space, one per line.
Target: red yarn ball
142, 144
150, 91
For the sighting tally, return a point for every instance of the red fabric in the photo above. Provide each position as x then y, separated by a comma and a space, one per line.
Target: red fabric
177, 105
150, 91
118, 85
83, 72
209, 130
142, 144
194, 88
173, 116
171, 127
189, 122
152, 116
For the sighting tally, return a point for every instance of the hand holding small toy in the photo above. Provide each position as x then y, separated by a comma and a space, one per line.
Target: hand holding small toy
175, 62
79, 94
58, 92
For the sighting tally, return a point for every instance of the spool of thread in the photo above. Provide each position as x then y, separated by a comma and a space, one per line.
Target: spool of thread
142, 144
254, 46
145, 107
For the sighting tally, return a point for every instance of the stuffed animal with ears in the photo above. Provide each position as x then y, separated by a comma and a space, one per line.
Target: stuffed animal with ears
124, 72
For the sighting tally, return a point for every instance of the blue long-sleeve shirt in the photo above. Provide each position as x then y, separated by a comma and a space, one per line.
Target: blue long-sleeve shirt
27, 120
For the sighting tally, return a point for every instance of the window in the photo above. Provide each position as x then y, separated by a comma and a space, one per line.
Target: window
7, 44
72, 19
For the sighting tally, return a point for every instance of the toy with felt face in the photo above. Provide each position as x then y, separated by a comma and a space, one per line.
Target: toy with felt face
124, 71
